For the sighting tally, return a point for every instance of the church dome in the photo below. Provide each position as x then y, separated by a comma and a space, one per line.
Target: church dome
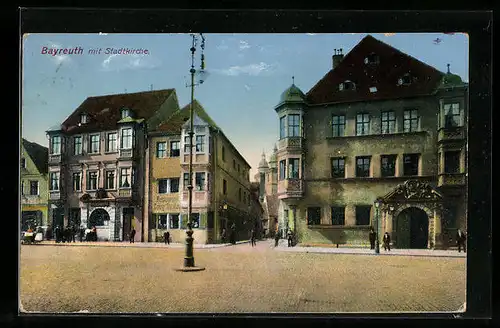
263, 163
292, 95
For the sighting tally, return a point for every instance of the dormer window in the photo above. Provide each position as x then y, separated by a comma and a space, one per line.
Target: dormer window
405, 79
83, 118
126, 113
347, 85
372, 59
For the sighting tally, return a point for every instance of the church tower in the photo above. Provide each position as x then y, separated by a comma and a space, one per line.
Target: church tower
263, 170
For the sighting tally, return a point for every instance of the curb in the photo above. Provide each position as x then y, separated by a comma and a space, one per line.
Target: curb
328, 251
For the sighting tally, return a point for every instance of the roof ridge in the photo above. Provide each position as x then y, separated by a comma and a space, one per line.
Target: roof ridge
132, 93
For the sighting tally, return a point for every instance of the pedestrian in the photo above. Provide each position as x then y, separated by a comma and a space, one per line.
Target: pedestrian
372, 236
252, 237
132, 235
57, 232
276, 238
387, 241
290, 238
48, 233
223, 236
166, 237
93, 234
233, 234
461, 238
73, 233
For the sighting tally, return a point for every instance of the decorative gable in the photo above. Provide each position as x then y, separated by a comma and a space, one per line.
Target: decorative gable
413, 190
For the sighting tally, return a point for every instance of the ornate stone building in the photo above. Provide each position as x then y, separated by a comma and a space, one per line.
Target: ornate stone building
379, 141
97, 162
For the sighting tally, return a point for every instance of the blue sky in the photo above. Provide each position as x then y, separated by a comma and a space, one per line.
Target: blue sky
247, 74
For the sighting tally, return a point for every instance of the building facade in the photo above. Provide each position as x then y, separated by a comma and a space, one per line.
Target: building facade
267, 179
220, 176
34, 185
379, 141
97, 160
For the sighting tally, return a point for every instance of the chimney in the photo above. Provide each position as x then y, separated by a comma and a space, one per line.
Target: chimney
337, 57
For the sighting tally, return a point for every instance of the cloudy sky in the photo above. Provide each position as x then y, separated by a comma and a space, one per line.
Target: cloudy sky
247, 74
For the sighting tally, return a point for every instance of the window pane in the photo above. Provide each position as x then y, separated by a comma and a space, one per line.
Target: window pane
174, 185
314, 215
163, 186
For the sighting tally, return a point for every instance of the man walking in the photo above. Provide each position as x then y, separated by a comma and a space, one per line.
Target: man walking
461, 238
166, 236
387, 241
276, 238
132, 235
372, 238
252, 237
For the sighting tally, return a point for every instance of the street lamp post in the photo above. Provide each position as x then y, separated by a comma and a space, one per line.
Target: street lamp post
189, 257
377, 217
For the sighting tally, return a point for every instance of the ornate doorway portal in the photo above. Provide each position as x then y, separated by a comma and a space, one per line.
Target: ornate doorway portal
412, 228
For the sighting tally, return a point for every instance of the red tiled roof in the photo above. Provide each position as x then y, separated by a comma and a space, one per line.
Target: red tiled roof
104, 111
384, 76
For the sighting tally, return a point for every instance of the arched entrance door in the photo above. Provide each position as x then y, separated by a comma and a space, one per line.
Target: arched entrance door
412, 228
98, 217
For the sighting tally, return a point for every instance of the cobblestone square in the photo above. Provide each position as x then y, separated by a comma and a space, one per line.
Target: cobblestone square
237, 279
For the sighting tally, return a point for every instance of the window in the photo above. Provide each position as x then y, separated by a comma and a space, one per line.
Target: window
347, 85
362, 124
161, 149
162, 221
313, 215
22, 187
388, 122
200, 144
282, 170
94, 144
125, 113
338, 215
175, 147
126, 140
195, 219
338, 167
163, 186
174, 185
92, 180
405, 79
111, 142
174, 221
125, 177
187, 144
224, 187
77, 181
363, 215
452, 162
452, 117
388, 165
23, 163
338, 125
410, 164
372, 59
282, 127
83, 118
410, 120
109, 183
239, 194
34, 188
293, 168
200, 181
294, 125
363, 166
238, 168
234, 164
56, 145
77, 145
54, 181
186, 182
223, 154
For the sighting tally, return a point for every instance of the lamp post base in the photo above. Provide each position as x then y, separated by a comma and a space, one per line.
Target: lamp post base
190, 269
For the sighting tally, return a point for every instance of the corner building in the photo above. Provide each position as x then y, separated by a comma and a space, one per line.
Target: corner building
379, 141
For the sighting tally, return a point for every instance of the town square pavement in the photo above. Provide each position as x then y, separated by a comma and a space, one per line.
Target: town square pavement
141, 277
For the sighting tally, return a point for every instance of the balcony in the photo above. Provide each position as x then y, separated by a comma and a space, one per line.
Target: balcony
449, 134
290, 188
451, 179
290, 143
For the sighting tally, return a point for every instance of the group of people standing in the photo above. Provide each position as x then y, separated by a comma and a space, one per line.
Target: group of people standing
68, 234
386, 240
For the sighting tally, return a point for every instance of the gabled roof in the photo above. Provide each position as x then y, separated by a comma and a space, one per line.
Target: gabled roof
38, 154
176, 121
393, 64
104, 111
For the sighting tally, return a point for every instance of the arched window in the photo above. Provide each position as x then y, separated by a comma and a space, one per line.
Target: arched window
99, 217
405, 79
347, 85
